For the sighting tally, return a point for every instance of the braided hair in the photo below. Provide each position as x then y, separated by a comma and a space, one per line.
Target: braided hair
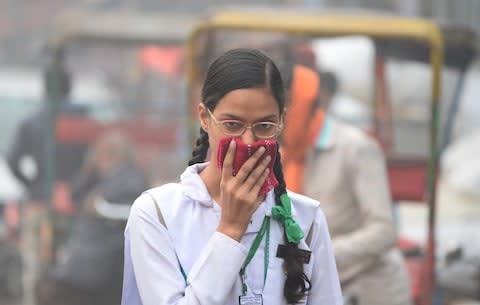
250, 68
199, 154
297, 283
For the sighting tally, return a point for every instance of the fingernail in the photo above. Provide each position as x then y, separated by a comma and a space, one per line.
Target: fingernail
232, 143
262, 149
267, 158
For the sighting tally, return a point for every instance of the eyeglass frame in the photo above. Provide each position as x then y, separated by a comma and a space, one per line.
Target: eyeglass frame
278, 126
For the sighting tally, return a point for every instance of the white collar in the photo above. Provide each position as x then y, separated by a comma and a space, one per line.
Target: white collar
195, 189
193, 185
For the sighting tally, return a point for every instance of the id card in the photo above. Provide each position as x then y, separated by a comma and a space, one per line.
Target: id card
250, 299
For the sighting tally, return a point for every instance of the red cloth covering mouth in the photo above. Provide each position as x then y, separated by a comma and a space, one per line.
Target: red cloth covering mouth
243, 151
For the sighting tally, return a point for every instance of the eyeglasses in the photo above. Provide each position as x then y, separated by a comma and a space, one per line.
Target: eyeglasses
235, 128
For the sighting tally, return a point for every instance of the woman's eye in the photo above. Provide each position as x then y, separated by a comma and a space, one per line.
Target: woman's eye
232, 125
264, 126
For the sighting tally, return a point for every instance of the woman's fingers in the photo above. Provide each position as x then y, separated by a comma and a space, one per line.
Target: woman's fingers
239, 194
228, 161
249, 179
255, 189
249, 165
257, 176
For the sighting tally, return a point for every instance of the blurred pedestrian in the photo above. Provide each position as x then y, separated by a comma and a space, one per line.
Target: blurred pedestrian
90, 265
27, 158
344, 168
27, 154
341, 106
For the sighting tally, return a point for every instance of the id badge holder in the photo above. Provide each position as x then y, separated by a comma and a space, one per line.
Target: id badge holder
255, 299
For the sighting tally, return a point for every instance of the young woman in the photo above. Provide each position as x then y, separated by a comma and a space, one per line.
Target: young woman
211, 238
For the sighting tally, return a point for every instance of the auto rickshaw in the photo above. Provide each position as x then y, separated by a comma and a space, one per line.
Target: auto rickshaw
410, 179
460, 49
146, 41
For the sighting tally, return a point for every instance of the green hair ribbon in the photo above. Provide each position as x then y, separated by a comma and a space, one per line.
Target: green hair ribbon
283, 213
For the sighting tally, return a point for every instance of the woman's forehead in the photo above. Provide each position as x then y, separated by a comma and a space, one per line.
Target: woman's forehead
251, 102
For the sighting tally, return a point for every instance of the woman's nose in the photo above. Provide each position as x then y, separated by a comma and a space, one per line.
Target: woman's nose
248, 137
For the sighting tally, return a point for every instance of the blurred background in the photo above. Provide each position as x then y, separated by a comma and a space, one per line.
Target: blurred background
91, 88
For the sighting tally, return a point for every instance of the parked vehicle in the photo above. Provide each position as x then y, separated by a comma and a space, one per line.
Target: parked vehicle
410, 178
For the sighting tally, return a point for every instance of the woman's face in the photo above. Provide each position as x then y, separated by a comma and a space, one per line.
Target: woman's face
250, 106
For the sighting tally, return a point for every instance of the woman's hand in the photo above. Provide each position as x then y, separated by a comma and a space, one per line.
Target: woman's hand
239, 195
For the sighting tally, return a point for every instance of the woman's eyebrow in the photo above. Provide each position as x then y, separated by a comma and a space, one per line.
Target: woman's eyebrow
230, 116
235, 117
269, 118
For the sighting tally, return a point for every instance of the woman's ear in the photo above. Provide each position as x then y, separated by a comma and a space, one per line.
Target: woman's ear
203, 116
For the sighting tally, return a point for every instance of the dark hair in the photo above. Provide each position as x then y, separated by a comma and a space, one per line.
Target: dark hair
328, 82
241, 69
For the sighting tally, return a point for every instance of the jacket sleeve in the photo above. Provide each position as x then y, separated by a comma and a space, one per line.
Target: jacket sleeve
360, 249
325, 282
157, 270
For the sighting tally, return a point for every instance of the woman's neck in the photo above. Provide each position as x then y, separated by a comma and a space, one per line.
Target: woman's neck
211, 176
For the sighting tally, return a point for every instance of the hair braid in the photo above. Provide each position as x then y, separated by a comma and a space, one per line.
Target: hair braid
297, 283
199, 154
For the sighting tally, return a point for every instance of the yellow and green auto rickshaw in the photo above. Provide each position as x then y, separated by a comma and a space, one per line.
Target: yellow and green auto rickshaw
413, 177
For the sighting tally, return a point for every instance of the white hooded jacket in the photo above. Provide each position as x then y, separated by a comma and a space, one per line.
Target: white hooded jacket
211, 260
